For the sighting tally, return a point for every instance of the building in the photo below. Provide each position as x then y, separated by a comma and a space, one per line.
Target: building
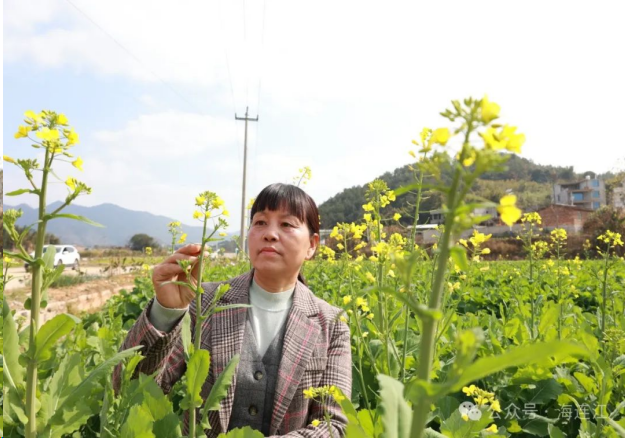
618, 196
588, 194
569, 217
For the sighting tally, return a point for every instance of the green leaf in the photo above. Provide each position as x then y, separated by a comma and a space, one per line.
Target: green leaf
459, 256
84, 388
185, 334
456, 427
19, 192
75, 217
197, 371
555, 432
48, 257
245, 432
548, 353
230, 306
219, 390
617, 427
396, 414
138, 424
49, 334
12, 371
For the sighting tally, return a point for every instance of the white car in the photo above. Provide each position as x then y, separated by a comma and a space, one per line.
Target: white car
65, 255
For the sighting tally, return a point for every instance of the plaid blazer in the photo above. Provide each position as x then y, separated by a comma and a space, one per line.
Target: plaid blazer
316, 351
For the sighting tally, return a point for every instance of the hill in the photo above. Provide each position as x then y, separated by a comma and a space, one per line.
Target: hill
531, 182
120, 225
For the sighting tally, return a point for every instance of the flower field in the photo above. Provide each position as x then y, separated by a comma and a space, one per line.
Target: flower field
444, 343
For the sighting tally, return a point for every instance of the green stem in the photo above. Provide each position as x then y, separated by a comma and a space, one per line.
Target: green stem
198, 319
428, 336
604, 295
31, 371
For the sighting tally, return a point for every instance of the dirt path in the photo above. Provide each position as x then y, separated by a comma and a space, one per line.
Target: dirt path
85, 297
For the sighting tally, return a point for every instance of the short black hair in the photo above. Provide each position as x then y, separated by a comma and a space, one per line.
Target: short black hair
291, 198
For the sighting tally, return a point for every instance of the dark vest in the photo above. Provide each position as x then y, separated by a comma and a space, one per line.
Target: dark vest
256, 382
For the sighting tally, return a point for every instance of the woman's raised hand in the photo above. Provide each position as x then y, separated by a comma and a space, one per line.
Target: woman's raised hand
171, 295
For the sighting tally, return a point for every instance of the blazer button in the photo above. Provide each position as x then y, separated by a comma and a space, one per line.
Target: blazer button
258, 375
253, 410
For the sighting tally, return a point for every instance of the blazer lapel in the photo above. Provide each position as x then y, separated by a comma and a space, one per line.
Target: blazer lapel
300, 338
227, 331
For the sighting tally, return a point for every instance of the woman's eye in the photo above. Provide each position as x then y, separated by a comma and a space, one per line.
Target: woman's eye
259, 222
286, 224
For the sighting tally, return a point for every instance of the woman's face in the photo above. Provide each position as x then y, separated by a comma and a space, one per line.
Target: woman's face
279, 243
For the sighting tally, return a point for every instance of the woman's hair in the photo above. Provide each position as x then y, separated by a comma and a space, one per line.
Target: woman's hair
290, 198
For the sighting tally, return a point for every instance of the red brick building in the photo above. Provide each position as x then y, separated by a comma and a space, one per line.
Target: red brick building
564, 216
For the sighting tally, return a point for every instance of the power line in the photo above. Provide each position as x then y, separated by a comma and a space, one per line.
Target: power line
262, 46
132, 55
247, 66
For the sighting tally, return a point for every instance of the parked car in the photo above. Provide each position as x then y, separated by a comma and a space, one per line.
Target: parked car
66, 255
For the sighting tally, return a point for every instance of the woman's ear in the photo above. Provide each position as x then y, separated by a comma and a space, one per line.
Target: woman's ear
314, 243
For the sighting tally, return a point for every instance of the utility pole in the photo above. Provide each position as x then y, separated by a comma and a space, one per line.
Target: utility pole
242, 235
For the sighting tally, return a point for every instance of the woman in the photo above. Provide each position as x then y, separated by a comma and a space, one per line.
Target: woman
289, 340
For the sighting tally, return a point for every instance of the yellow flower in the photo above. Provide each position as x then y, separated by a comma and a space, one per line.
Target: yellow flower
340, 246
492, 428
196, 215
309, 393
365, 308
370, 277
396, 216
77, 163
315, 423
347, 299
465, 417
9, 159
469, 390
207, 214
225, 212
72, 137
22, 131
343, 318
222, 234
489, 110
148, 250
7, 259
440, 136
71, 183
48, 134
183, 238
495, 406
145, 267
367, 217
218, 202
391, 273
514, 141
486, 251
61, 119
200, 201
36, 118
470, 159
508, 210
370, 316
367, 207
412, 154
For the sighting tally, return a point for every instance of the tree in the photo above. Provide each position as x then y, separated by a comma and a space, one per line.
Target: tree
138, 242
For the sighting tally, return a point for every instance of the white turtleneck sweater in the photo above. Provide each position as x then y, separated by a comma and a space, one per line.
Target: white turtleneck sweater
267, 315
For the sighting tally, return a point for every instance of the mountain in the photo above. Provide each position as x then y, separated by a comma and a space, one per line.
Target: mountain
120, 225
531, 182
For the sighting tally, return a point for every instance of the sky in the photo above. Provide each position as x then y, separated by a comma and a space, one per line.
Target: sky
153, 87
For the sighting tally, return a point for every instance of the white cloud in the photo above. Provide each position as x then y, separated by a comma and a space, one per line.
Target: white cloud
345, 85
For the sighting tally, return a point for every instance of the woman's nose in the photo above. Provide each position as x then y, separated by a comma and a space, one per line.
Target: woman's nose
271, 234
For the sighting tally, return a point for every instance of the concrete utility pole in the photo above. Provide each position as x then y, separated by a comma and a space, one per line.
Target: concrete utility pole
242, 235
